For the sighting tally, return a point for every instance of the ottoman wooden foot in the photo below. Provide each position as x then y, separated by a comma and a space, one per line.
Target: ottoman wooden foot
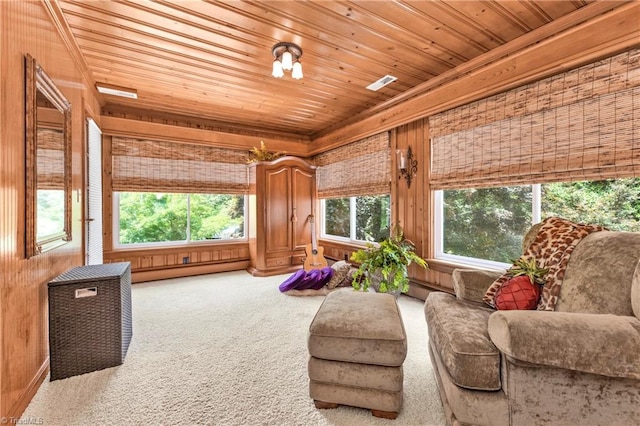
322, 404
391, 415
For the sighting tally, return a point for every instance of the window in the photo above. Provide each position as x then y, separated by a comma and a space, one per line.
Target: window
486, 223
361, 218
161, 218
486, 226
50, 212
613, 203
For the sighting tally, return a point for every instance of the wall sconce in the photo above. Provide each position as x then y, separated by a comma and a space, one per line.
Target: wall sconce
407, 166
286, 58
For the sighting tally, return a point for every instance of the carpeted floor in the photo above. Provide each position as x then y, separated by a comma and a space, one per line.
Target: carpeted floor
224, 349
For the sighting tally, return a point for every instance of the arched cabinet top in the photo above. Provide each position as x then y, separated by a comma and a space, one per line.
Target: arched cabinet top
287, 160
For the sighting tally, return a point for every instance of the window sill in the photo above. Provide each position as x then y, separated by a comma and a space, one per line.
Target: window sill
344, 241
448, 266
179, 246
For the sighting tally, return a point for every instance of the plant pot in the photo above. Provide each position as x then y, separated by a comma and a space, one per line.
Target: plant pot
376, 278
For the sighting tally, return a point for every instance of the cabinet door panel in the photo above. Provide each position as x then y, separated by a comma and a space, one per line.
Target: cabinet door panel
303, 189
278, 210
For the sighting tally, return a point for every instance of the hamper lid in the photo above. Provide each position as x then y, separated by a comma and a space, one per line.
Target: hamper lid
90, 272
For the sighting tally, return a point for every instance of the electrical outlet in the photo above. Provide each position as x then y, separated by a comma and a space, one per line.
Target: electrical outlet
185, 260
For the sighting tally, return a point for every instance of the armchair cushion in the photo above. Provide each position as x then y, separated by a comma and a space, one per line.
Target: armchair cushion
607, 345
459, 330
472, 284
599, 277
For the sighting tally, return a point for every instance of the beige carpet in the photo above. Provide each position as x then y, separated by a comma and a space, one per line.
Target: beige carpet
224, 349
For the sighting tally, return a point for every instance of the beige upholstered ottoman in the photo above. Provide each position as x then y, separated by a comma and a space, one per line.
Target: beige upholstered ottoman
357, 345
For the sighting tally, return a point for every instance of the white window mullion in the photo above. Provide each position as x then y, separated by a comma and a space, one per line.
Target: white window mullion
438, 232
352, 218
188, 217
116, 219
536, 203
323, 219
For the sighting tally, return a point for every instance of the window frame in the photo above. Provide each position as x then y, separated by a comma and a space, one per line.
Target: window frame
352, 222
163, 244
438, 228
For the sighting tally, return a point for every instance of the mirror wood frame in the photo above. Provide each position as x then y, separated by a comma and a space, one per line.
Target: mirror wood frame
38, 80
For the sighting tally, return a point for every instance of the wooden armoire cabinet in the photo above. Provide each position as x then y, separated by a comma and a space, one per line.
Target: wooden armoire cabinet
282, 198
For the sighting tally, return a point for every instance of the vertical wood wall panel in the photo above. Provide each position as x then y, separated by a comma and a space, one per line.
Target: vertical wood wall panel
26, 27
413, 205
107, 196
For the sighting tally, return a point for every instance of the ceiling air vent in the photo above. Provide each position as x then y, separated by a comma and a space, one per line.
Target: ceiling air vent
109, 89
377, 85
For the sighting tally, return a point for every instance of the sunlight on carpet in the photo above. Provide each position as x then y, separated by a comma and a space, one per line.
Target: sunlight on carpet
225, 349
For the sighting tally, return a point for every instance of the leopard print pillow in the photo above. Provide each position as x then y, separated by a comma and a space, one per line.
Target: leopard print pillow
340, 271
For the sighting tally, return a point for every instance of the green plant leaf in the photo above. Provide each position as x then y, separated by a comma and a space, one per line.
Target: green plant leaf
391, 257
528, 267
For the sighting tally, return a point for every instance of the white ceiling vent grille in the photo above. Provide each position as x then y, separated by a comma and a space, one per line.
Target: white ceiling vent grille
124, 92
376, 85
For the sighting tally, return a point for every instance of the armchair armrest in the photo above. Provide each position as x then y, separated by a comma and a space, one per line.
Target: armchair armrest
607, 345
472, 284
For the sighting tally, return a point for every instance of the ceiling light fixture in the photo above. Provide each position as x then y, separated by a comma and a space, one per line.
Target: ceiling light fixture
286, 58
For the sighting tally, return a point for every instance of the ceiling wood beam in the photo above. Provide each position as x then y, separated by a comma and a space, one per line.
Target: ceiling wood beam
113, 126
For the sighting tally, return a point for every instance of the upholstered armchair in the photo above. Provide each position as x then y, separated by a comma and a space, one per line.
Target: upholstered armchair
579, 364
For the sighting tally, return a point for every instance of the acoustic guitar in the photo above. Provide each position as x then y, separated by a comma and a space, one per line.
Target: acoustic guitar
315, 258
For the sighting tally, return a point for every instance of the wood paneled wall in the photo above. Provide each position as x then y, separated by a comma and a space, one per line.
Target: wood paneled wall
169, 262
411, 207
27, 27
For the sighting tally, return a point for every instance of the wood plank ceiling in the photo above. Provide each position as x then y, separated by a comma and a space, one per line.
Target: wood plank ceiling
212, 59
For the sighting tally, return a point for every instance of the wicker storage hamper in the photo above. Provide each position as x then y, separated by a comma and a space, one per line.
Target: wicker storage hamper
89, 319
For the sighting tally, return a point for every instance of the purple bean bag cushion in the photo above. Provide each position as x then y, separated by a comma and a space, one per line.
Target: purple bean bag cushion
293, 281
310, 280
303, 280
325, 276
318, 278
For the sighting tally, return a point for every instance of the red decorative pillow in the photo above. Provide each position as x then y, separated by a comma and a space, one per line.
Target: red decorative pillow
517, 293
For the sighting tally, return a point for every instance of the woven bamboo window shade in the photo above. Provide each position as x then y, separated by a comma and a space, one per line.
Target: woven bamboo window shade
155, 166
580, 125
359, 168
50, 159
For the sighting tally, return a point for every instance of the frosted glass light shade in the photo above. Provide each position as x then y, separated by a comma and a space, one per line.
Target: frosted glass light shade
401, 159
297, 71
287, 61
286, 57
277, 71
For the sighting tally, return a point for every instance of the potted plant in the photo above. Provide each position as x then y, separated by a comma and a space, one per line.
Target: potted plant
522, 290
262, 154
388, 262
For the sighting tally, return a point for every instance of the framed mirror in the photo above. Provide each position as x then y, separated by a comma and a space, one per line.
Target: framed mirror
48, 162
